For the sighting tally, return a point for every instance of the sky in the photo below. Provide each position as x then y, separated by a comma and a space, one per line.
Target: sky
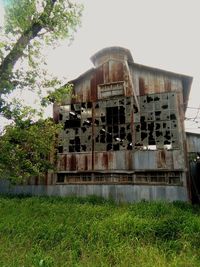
159, 33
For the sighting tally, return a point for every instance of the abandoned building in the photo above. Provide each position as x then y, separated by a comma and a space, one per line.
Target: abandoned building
123, 135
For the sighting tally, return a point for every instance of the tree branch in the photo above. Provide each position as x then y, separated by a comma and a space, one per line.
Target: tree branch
9, 61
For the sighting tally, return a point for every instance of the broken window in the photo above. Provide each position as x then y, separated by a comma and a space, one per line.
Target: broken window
158, 178
171, 178
77, 133
156, 125
112, 130
106, 125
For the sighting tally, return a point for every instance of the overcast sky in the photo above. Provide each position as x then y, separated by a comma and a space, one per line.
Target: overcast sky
159, 33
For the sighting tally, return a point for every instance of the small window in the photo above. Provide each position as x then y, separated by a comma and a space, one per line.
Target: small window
60, 178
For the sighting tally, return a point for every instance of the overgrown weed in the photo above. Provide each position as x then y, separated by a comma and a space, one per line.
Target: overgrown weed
91, 231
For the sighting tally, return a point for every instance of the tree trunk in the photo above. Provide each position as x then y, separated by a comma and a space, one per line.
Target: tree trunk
9, 61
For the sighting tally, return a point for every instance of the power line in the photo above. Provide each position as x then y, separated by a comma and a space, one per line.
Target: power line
193, 108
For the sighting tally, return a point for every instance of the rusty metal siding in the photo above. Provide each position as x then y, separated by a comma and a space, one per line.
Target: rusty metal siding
148, 82
116, 71
122, 160
74, 162
119, 160
104, 161
106, 72
82, 91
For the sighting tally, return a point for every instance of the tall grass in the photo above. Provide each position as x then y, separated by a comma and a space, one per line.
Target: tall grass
53, 231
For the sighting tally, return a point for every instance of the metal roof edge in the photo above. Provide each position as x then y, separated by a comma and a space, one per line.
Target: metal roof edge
161, 70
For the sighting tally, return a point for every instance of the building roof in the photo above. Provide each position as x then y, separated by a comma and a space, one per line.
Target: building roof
123, 53
117, 50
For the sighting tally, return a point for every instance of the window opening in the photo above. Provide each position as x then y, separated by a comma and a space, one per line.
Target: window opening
156, 125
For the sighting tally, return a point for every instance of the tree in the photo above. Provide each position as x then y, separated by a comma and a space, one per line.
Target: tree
25, 148
30, 27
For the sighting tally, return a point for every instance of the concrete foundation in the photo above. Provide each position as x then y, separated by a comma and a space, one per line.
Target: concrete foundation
119, 193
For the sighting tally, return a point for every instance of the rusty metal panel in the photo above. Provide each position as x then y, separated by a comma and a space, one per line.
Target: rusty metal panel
106, 72
97, 78
82, 90
165, 159
112, 161
116, 71
167, 85
142, 88
119, 160
101, 161
161, 159
148, 82
78, 162
61, 162
99, 75
128, 160
104, 161
83, 162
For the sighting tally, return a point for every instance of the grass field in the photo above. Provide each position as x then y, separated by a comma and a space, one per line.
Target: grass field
93, 232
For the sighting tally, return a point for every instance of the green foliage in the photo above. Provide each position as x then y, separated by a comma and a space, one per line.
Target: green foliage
55, 231
58, 95
19, 15
26, 147
31, 27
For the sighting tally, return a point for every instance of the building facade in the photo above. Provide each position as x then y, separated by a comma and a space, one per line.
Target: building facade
124, 131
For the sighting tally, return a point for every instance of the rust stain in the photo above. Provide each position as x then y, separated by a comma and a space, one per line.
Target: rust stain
61, 163
106, 72
86, 163
167, 85
116, 71
73, 163
112, 160
141, 86
88, 96
99, 75
93, 89
105, 160
128, 160
65, 162
161, 159
97, 78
